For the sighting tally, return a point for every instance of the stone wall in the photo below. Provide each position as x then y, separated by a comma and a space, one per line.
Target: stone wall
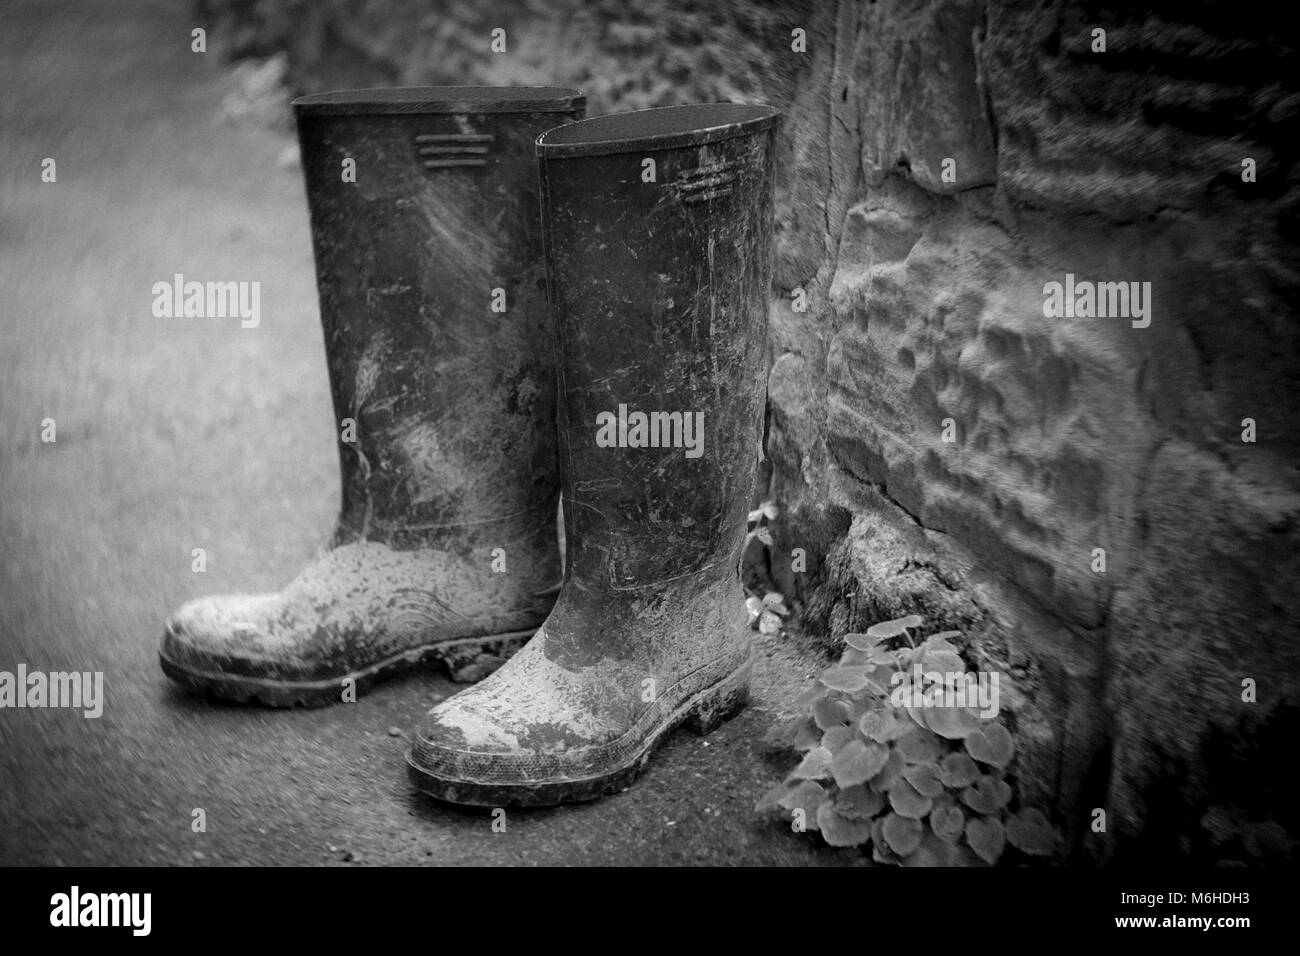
925, 308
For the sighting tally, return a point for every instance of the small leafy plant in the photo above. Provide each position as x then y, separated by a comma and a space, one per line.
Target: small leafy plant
766, 607
924, 785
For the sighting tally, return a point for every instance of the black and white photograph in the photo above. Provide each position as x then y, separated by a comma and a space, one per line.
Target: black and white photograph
691, 434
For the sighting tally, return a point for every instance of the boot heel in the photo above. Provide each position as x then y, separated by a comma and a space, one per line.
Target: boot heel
720, 703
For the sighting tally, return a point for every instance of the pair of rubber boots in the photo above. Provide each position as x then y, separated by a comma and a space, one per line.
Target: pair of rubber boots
519, 303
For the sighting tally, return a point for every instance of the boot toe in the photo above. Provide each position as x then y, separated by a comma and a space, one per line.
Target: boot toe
215, 633
522, 735
460, 757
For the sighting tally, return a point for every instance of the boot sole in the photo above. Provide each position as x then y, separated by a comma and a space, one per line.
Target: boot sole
702, 713
269, 692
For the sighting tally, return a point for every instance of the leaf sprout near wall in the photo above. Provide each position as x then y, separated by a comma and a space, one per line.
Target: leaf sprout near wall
767, 609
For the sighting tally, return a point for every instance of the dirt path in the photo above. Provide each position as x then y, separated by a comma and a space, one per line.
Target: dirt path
175, 434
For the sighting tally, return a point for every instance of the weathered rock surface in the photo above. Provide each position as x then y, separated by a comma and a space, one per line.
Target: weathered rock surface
925, 295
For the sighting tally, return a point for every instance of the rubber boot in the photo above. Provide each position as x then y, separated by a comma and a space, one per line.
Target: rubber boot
425, 227
658, 227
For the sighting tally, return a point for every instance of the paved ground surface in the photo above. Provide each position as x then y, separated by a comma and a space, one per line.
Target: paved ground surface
174, 434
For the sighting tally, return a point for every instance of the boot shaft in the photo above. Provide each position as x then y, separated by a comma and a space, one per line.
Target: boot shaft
428, 254
658, 227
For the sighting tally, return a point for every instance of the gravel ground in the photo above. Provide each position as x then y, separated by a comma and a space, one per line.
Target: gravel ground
174, 434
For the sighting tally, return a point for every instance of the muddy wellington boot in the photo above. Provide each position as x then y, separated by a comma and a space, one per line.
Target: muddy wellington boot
660, 296
425, 226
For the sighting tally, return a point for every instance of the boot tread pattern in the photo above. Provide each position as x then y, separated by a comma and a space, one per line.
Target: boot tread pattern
458, 656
